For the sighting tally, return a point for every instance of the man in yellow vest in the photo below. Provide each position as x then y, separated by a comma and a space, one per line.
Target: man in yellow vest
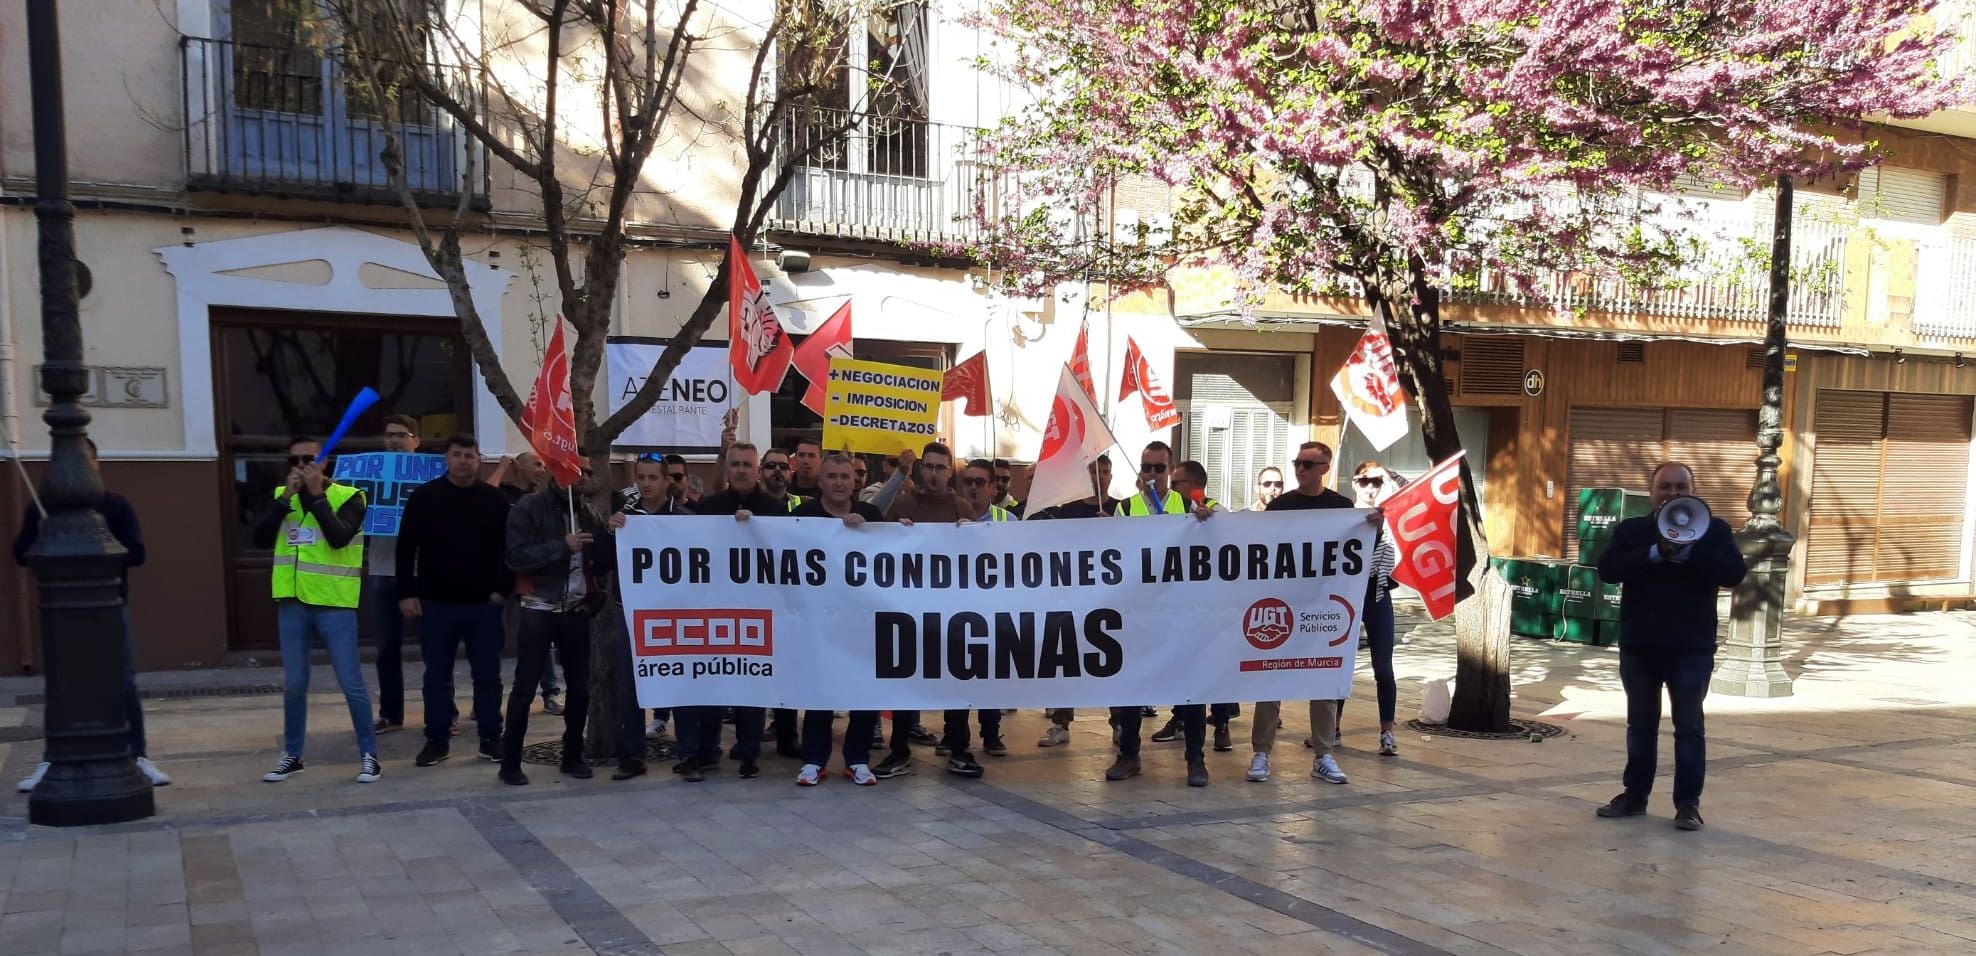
1190, 480
316, 531
1156, 497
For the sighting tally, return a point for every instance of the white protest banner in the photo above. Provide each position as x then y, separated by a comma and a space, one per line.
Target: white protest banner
687, 417
387, 479
807, 613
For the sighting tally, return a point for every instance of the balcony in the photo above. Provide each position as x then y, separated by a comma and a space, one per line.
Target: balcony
287, 121
894, 180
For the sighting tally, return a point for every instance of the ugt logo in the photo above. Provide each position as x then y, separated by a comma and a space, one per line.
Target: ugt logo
1267, 624
668, 632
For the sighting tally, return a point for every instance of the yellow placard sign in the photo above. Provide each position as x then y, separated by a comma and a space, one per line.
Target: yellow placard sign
878, 408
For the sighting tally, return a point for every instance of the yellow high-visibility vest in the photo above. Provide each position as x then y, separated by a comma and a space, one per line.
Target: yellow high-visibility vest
306, 568
1135, 506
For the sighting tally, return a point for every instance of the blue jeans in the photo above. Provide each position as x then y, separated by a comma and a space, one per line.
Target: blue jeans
1643, 671
389, 623
337, 626
442, 629
1378, 621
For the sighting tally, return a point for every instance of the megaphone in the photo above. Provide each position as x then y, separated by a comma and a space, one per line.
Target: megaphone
1682, 520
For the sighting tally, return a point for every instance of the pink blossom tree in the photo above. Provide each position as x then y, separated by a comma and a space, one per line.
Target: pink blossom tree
1401, 150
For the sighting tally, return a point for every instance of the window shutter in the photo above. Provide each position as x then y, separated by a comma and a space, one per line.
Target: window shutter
1845, 486
1896, 194
1610, 448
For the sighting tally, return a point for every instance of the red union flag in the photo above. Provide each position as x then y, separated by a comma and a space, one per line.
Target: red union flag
969, 380
1139, 377
1075, 437
1421, 519
757, 346
548, 420
1080, 362
831, 339
1368, 388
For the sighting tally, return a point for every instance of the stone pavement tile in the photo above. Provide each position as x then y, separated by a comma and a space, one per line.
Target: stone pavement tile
36, 932
761, 946
705, 947
94, 939
142, 938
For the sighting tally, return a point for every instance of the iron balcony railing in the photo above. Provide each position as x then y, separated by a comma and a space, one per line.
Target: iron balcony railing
900, 180
292, 121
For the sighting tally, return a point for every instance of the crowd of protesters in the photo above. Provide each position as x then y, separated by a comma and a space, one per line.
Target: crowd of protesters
482, 561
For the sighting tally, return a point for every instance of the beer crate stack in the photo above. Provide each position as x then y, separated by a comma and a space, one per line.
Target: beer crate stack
1588, 610
1536, 587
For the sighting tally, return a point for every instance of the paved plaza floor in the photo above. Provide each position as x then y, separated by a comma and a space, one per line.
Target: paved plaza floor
1841, 820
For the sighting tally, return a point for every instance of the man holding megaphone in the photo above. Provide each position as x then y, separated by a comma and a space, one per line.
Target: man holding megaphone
1669, 565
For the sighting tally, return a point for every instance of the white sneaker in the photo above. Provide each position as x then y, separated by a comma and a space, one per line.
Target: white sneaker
1259, 768
657, 728
1326, 769
371, 770
33, 780
1056, 736
1388, 747
809, 776
861, 775
158, 778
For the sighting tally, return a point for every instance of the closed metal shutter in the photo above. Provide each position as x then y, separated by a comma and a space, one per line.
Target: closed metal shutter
1888, 478
1236, 417
1491, 365
1895, 194
1610, 448
1922, 486
1720, 445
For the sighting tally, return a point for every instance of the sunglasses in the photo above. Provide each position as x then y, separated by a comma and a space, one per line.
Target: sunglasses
1305, 464
652, 456
1369, 482
974, 482
1153, 468
1277, 485
297, 461
676, 476
775, 466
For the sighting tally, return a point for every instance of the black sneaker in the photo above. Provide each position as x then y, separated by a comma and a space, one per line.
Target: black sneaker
513, 777
627, 768
1624, 805
432, 753
690, 769
576, 768
941, 749
1223, 742
1197, 773
490, 749
369, 771
921, 736
749, 771
289, 766
1168, 733
893, 766
995, 747
1123, 768
962, 764
1688, 817
1149, 712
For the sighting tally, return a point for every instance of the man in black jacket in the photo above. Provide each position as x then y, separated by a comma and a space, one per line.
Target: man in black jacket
451, 580
122, 521
1667, 639
560, 552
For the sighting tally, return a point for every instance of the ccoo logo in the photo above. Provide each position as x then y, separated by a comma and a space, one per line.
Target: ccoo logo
1267, 624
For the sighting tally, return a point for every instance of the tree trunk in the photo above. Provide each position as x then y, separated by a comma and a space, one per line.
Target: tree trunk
1482, 615
607, 645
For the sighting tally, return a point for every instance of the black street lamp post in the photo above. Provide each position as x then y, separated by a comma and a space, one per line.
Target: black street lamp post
1751, 664
92, 776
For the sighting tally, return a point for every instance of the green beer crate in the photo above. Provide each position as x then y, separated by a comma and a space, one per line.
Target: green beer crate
1592, 546
1534, 583
1609, 633
1576, 630
1585, 596
1529, 623
1599, 509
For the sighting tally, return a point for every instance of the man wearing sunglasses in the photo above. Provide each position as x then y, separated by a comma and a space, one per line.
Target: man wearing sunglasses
1269, 484
1313, 462
316, 531
1004, 478
775, 480
658, 486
